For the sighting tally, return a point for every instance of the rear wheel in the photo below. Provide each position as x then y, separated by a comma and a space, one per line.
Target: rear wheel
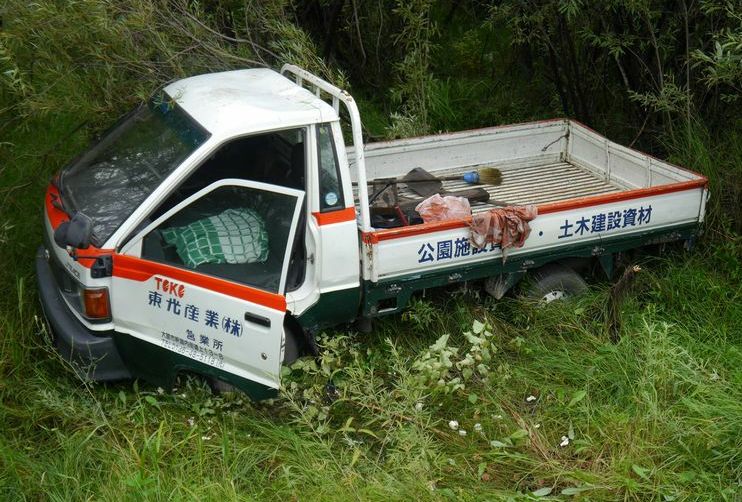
554, 282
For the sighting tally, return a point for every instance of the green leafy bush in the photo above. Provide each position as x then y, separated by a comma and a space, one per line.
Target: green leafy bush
443, 368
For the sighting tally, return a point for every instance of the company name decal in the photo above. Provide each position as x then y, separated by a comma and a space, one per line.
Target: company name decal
449, 249
209, 319
207, 325
606, 222
169, 287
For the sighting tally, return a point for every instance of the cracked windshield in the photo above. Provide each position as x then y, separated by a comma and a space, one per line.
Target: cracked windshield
115, 176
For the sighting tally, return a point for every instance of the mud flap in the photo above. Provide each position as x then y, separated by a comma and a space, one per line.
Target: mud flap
499, 285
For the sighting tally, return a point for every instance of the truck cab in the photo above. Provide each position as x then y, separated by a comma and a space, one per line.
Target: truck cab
217, 212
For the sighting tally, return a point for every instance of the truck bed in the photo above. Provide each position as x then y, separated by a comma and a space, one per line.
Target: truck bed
541, 163
588, 190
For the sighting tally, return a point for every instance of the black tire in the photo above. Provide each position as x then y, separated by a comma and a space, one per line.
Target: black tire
291, 348
220, 387
554, 282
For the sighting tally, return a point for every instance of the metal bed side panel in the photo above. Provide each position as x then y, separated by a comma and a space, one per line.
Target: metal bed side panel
619, 164
540, 141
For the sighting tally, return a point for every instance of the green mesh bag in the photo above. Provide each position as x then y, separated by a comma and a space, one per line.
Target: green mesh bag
233, 236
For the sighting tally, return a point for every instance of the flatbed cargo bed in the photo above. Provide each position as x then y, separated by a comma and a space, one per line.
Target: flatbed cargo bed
590, 192
541, 163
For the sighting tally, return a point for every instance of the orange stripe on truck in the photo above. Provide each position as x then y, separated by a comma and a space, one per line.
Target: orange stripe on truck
341, 216
595, 200
553, 207
56, 216
137, 269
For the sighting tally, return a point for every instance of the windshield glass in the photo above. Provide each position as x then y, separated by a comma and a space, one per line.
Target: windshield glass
111, 179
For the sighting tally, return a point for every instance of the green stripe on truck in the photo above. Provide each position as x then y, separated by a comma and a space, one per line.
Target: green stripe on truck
389, 296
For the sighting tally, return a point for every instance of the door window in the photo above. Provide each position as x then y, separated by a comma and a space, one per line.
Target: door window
330, 189
276, 158
240, 231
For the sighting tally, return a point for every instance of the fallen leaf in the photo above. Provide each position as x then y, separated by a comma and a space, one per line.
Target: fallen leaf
574, 490
642, 472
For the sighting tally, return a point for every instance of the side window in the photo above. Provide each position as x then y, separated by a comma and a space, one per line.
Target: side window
233, 232
330, 189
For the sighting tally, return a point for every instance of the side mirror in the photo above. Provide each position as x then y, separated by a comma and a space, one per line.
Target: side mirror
75, 233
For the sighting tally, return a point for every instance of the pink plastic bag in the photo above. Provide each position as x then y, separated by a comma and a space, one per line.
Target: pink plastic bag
437, 208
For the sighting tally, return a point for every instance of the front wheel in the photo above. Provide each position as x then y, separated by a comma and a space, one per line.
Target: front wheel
554, 282
291, 350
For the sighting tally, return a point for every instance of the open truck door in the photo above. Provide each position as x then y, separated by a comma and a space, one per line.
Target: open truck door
205, 281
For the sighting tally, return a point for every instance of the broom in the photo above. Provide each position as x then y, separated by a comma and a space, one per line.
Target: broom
482, 176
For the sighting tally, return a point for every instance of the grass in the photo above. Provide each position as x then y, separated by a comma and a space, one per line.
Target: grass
654, 416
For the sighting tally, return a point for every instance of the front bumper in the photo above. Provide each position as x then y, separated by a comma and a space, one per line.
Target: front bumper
93, 354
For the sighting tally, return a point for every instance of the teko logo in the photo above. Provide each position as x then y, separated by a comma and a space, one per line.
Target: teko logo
170, 287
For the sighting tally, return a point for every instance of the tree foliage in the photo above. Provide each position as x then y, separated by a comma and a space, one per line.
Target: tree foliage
650, 73
645, 61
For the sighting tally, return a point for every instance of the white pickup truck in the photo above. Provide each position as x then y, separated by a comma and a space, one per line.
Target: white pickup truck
218, 227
